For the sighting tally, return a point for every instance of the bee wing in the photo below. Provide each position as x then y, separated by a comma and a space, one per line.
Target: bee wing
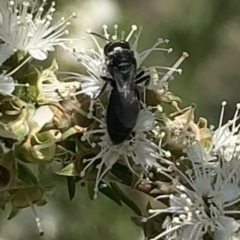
124, 99
117, 130
123, 109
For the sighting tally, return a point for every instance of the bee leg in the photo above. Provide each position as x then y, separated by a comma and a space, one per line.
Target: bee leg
140, 74
112, 82
145, 79
107, 80
102, 90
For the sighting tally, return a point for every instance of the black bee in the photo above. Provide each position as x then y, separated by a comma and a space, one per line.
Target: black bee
124, 101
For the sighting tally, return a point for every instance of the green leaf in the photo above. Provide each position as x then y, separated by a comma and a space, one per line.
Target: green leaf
110, 177
107, 191
132, 205
71, 187
26, 176
90, 187
41, 202
137, 221
25, 196
123, 173
47, 177
3, 202
136, 178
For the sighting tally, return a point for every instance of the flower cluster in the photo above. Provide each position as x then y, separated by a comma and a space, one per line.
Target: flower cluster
26, 90
205, 198
143, 147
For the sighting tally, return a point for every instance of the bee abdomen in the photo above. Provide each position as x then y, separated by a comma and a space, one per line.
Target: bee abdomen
118, 114
116, 130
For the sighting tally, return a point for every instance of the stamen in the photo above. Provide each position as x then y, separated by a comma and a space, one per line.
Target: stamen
105, 30
99, 177
232, 212
168, 68
147, 52
18, 67
94, 39
167, 232
137, 36
20, 84
122, 35
236, 116
162, 197
134, 28
175, 66
37, 219
115, 36
224, 103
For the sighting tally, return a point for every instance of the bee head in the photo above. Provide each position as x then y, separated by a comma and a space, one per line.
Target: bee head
112, 46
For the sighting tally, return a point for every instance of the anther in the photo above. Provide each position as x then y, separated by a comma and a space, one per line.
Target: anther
174, 67
105, 27
224, 103
134, 27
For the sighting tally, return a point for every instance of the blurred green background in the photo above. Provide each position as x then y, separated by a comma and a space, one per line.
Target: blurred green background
209, 31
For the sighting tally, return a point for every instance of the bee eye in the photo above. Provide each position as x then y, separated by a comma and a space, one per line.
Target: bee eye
107, 49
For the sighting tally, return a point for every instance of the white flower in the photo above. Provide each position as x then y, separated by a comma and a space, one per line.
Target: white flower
204, 203
92, 83
141, 150
95, 61
29, 30
53, 90
226, 138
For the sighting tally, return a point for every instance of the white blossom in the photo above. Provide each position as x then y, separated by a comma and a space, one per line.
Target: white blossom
204, 202
92, 83
226, 138
94, 61
138, 148
29, 28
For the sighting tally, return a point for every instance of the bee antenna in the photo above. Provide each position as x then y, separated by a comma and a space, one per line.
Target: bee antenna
98, 35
